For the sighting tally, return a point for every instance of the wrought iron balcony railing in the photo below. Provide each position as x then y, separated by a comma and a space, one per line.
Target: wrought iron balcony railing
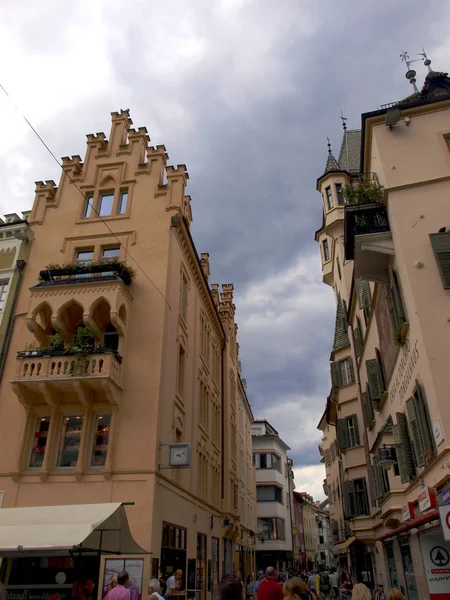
363, 219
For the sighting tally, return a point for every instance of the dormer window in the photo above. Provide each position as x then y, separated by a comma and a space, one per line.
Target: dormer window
329, 194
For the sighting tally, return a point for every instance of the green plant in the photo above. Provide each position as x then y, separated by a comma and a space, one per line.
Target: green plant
83, 343
31, 347
364, 192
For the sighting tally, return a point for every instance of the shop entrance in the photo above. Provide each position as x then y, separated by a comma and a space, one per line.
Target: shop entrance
393, 578
214, 567
408, 568
173, 551
200, 583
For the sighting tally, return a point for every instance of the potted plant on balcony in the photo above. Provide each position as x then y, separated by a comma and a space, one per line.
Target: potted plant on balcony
364, 192
83, 344
117, 267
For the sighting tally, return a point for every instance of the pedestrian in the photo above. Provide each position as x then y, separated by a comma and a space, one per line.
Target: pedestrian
250, 588
312, 582
163, 584
347, 583
121, 591
325, 585
261, 577
231, 588
395, 594
334, 578
174, 582
113, 582
270, 589
154, 590
296, 588
361, 592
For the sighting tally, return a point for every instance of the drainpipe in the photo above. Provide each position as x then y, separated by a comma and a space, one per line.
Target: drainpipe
20, 265
222, 395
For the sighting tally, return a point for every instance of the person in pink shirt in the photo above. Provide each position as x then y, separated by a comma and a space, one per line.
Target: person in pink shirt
121, 591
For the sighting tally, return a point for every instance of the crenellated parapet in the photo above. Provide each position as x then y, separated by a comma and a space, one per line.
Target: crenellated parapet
45, 196
204, 261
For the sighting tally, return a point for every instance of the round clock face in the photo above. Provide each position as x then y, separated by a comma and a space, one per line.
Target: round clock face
179, 455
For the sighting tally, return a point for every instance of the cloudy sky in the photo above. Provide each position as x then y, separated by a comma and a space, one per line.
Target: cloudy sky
245, 93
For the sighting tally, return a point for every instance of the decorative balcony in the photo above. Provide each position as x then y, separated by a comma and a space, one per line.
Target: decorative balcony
58, 376
86, 272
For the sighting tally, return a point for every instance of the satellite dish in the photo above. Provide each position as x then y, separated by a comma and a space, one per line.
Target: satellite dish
393, 116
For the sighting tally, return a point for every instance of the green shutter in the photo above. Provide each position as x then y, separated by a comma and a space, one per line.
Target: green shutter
327, 457
395, 320
409, 471
374, 378
348, 492
342, 434
440, 243
415, 431
377, 478
373, 404
336, 379
358, 341
356, 428
352, 370
397, 299
364, 492
424, 422
363, 292
367, 409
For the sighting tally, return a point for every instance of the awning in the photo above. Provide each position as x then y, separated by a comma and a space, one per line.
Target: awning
99, 527
344, 546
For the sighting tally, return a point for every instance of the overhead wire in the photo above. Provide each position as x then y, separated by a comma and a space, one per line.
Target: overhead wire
128, 253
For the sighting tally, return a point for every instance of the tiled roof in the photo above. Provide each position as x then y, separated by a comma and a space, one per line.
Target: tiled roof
349, 156
341, 339
331, 164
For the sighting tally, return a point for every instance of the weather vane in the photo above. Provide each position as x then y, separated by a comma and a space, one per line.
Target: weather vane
343, 119
426, 60
329, 145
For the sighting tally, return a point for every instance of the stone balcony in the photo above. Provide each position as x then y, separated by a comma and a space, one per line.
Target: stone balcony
58, 377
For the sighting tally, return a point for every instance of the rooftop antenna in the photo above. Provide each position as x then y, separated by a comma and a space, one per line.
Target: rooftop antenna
344, 127
426, 60
410, 73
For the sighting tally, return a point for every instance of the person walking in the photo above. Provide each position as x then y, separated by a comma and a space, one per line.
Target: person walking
261, 578
361, 592
250, 588
231, 588
312, 582
325, 585
296, 588
174, 583
270, 589
121, 591
395, 594
154, 590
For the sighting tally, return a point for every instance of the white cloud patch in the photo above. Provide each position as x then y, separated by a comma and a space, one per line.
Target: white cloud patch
310, 480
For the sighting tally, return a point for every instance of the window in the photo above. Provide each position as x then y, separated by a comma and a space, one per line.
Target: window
348, 432
266, 460
326, 250
329, 194
395, 306
181, 368
4, 288
39, 442
87, 210
419, 424
339, 194
106, 204
271, 528
356, 502
375, 379
364, 298
204, 405
173, 537
342, 372
110, 254
102, 426
183, 296
123, 202
69, 444
358, 337
269, 493
84, 257
111, 337
380, 479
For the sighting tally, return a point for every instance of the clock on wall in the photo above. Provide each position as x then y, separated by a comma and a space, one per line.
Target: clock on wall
179, 455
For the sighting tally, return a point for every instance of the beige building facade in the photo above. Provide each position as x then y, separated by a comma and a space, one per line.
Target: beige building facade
385, 251
122, 379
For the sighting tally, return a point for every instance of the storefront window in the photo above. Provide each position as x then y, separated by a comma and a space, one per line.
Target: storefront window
39, 443
69, 444
408, 569
392, 566
101, 438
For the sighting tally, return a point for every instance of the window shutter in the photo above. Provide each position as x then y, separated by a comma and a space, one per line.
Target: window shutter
440, 243
358, 341
404, 450
327, 457
363, 292
367, 409
377, 478
336, 379
342, 433
415, 430
356, 428
397, 298
349, 499
373, 404
395, 319
374, 377
424, 421
364, 492
351, 369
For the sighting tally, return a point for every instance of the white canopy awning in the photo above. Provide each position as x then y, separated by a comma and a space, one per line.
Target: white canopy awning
102, 527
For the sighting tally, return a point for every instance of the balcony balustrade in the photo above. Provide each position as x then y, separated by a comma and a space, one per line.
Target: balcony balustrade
363, 219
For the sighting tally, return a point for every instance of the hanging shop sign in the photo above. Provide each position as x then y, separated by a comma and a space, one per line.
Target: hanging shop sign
408, 511
445, 495
444, 513
427, 499
436, 558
